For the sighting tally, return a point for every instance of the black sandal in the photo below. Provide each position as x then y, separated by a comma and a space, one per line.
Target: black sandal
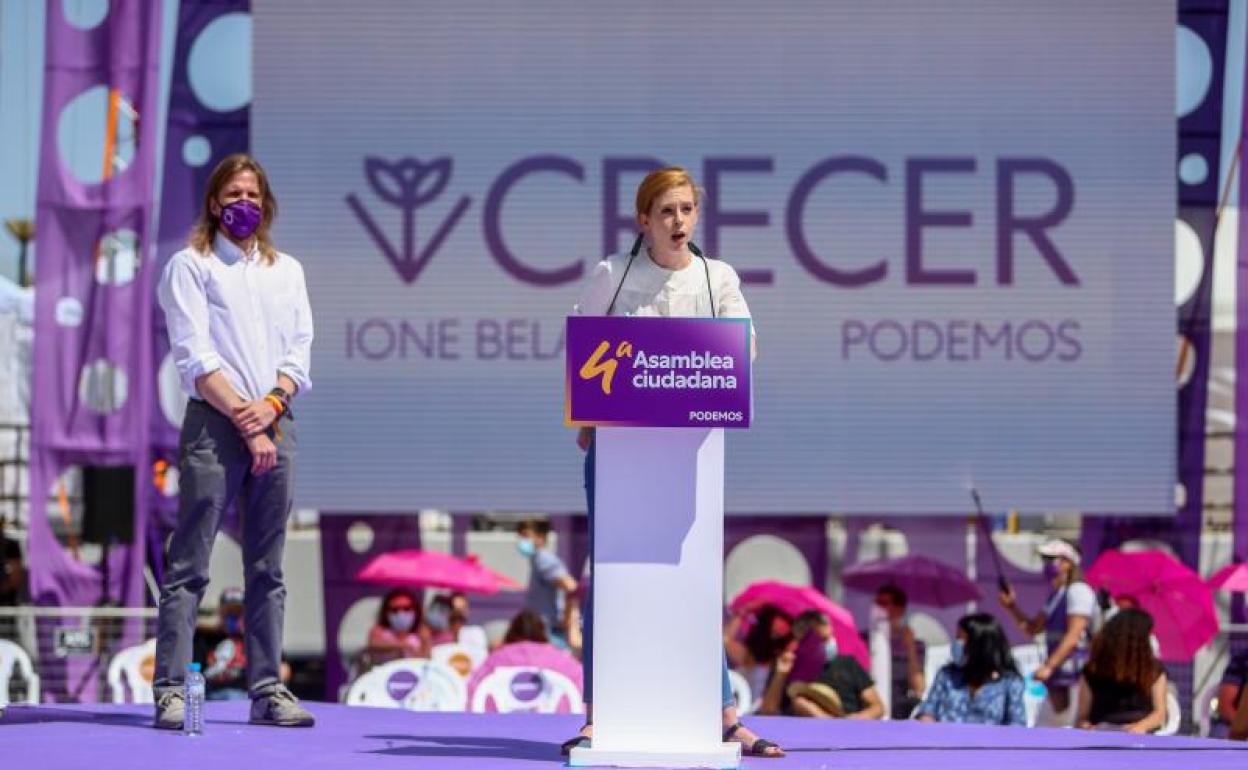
759, 748
579, 742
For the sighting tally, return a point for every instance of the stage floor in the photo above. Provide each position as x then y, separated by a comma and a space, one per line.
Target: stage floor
105, 736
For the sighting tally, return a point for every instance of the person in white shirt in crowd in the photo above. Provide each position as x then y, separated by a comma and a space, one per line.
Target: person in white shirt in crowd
1068, 622
240, 333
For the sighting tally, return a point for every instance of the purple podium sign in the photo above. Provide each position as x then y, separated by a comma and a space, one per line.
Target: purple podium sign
640, 372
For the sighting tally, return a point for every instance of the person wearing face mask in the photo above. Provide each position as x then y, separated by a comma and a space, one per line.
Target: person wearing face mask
398, 632
240, 336
663, 274
446, 617
981, 684
1067, 622
552, 589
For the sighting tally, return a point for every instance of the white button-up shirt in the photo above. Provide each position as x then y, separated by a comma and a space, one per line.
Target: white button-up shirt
231, 311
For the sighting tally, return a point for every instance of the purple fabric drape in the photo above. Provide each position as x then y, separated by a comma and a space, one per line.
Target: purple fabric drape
1240, 513
1199, 134
92, 363
75, 219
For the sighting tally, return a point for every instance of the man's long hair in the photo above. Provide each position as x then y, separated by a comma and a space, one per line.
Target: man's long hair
205, 228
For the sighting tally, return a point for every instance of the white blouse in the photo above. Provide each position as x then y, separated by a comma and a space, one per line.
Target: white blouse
651, 290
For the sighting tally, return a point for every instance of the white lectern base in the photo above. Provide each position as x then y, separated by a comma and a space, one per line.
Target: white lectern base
725, 756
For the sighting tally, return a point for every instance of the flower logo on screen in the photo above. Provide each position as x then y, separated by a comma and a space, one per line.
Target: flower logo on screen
407, 184
595, 366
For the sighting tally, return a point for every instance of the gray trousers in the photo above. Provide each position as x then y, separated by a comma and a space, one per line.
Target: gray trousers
214, 468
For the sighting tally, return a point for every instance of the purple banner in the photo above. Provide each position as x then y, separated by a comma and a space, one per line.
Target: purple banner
92, 362
92, 365
658, 372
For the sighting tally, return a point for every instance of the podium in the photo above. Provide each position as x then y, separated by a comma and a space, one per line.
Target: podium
661, 391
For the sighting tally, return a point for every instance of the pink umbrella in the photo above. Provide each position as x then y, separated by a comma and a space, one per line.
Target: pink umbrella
537, 654
796, 599
925, 580
1179, 601
432, 569
1232, 577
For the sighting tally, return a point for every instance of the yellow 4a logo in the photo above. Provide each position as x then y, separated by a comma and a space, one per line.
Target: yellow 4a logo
597, 367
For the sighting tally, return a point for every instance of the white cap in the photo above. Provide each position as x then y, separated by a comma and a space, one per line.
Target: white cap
1057, 547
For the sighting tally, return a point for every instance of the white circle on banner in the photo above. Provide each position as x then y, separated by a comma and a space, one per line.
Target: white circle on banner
84, 14
360, 537
82, 135
117, 258
1193, 169
68, 312
928, 629
219, 66
1189, 262
356, 621
169, 391
764, 557
1194, 63
102, 386
1180, 495
196, 151
1186, 362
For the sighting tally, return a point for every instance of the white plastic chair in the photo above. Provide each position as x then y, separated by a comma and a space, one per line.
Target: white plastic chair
463, 658
741, 692
14, 657
475, 636
131, 670
1174, 713
414, 684
526, 689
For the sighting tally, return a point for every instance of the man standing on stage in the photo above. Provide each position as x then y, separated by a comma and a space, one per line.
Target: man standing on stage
240, 329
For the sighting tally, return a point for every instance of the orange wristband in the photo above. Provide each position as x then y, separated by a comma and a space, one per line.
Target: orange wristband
276, 403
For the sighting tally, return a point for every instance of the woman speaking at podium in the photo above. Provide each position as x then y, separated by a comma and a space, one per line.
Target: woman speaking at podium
664, 274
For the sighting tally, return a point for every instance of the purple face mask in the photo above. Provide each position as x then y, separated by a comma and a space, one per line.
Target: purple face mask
240, 219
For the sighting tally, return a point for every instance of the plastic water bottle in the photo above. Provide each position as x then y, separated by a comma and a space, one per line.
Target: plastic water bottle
193, 693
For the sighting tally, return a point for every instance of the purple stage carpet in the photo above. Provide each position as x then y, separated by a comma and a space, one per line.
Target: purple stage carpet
105, 736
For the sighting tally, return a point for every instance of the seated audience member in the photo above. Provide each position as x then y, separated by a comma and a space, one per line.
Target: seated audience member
1230, 694
447, 614
1123, 685
398, 632
801, 662
981, 685
908, 653
843, 690
526, 626
767, 637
